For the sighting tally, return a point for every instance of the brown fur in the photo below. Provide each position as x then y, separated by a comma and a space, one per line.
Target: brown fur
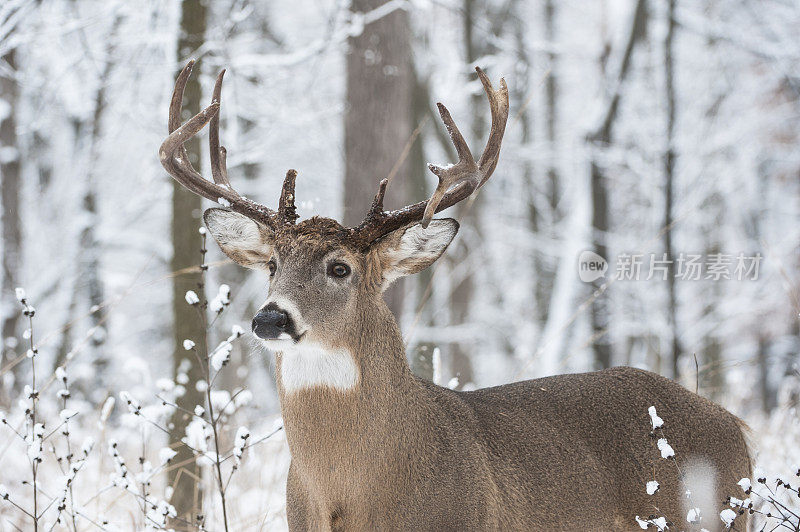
568, 452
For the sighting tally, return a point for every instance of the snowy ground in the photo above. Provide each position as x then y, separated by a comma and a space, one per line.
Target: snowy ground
255, 493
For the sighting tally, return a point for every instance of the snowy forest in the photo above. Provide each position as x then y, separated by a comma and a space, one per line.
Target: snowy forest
645, 212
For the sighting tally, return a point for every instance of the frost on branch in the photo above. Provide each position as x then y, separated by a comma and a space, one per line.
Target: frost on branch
133, 405
35, 442
121, 478
239, 443
166, 454
222, 353
745, 485
88, 445
197, 435
222, 403
221, 300
652, 487
67, 414
728, 516
659, 523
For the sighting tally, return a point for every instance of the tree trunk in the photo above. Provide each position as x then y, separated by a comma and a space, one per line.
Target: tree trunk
669, 180
545, 275
602, 138
10, 185
378, 117
186, 212
792, 363
537, 291
422, 353
768, 394
551, 106
475, 14
468, 214
89, 259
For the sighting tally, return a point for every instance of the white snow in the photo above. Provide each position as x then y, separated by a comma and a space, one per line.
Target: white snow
656, 421
221, 355
436, 362
191, 297
727, 515
666, 449
239, 443
67, 414
221, 300
165, 454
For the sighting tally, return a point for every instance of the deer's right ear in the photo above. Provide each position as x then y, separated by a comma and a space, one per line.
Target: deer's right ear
412, 248
244, 240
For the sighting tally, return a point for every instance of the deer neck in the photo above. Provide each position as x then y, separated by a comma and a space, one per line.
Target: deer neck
332, 399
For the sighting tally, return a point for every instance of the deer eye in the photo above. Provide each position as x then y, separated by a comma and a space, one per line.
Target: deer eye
338, 269
272, 267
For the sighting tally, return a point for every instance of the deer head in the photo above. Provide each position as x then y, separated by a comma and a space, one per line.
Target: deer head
324, 277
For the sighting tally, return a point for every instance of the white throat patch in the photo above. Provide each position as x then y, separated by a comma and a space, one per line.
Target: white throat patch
307, 365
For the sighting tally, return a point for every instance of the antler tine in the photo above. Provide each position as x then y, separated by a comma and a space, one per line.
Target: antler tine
175, 159
464, 171
287, 212
219, 170
456, 182
377, 204
498, 103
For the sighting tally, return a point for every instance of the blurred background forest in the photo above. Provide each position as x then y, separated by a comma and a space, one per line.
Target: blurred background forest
651, 127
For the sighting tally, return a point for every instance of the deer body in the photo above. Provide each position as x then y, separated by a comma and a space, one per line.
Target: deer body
374, 447
569, 452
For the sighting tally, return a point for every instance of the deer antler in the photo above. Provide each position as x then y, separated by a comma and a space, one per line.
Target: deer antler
456, 182
176, 162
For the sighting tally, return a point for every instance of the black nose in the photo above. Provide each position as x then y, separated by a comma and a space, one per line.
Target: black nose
270, 322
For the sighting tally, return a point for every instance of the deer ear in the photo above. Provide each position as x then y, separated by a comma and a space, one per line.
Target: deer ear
244, 240
412, 248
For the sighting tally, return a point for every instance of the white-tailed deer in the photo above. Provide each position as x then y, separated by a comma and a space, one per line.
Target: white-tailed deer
375, 448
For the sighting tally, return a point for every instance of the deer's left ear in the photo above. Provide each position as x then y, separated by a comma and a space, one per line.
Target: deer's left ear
412, 248
244, 240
